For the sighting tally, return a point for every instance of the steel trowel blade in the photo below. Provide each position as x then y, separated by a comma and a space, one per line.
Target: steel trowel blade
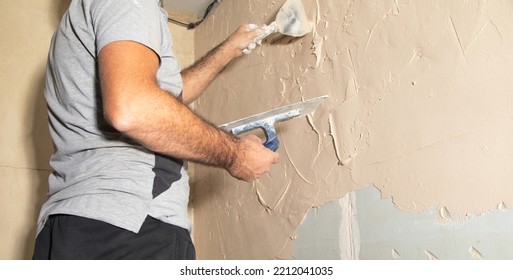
273, 116
291, 19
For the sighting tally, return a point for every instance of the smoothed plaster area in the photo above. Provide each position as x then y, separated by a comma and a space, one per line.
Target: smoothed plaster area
420, 106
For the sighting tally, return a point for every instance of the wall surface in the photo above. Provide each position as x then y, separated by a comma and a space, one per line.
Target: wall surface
419, 105
362, 225
26, 28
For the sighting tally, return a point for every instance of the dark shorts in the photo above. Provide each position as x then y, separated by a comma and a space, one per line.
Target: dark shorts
76, 238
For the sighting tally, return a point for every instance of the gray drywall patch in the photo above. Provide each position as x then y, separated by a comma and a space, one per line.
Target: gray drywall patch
329, 232
318, 237
389, 233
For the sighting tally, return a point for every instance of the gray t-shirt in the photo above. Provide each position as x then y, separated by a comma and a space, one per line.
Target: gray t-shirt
99, 173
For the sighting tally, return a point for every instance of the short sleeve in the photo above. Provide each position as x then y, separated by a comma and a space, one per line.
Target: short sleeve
127, 20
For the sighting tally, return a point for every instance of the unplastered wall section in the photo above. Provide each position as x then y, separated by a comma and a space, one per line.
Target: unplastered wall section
419, 105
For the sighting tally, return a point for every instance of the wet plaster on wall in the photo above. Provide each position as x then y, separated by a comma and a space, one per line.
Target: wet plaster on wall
420, 105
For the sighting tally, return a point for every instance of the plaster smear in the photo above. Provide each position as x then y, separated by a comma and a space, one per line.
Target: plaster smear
420, 106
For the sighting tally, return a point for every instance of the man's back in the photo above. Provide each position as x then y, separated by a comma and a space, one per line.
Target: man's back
99, 173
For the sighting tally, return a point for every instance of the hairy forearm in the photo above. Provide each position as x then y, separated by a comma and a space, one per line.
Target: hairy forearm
170, 128
136, 106
198, 76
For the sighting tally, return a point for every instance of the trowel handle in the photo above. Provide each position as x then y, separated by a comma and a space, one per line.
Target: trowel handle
272, 144
268, 30
267, 125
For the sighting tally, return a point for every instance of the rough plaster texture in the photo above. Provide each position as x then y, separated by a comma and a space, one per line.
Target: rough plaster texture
420, 106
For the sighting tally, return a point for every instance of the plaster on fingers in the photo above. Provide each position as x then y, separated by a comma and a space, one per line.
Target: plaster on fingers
252, 45
249, 48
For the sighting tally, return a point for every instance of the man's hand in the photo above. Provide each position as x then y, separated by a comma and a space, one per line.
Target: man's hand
242, 40
252, 160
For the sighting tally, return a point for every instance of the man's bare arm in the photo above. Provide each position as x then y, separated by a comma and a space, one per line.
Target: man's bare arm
197, 77
135, 105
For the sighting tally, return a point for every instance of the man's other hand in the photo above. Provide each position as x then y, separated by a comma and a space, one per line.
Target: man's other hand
253, 159
241, 41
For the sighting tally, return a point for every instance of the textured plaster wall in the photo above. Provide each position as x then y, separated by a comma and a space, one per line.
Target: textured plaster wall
26, 28
420, 106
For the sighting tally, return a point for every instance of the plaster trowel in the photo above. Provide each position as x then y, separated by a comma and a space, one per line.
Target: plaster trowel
267, 120
291, 20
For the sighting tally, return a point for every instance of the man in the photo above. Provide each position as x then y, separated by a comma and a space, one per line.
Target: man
117, 117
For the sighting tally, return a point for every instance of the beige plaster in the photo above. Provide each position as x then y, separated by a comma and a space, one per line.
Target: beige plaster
420, 105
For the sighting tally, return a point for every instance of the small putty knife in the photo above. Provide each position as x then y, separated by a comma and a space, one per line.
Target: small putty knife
291, 20
267, 120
